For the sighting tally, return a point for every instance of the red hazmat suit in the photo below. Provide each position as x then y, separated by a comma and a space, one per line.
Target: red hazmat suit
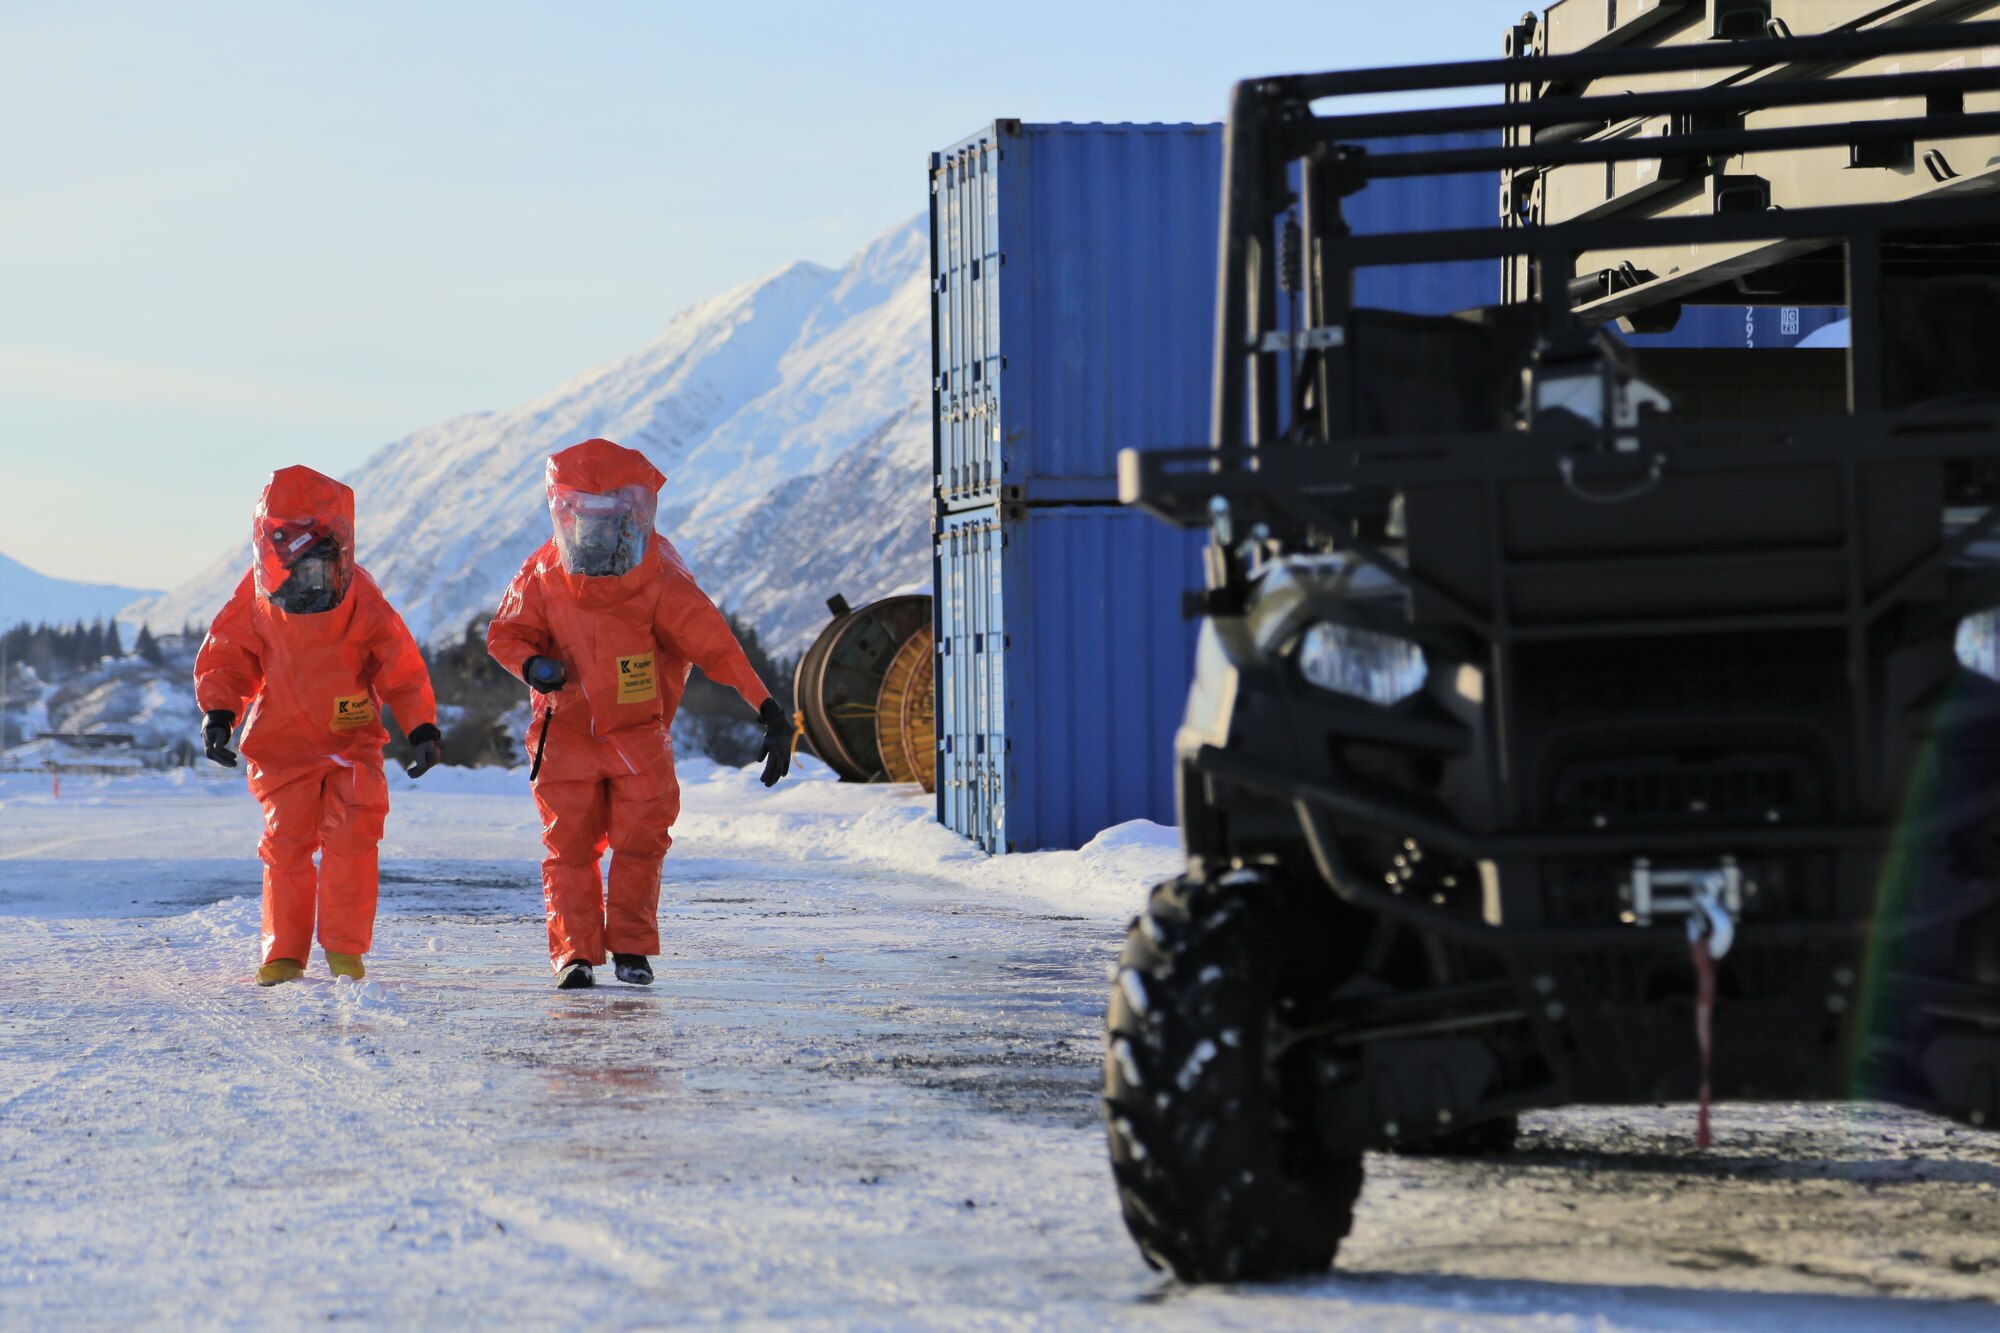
626, 638
313, 684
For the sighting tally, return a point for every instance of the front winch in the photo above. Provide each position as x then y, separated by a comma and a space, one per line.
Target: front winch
1682, 891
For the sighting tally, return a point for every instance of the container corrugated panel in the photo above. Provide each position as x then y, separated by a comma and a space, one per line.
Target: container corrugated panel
1073, 297
1427, 203
1063, 670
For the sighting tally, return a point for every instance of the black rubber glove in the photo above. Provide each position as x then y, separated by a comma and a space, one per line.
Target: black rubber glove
215, 728
429, 747
543, 674
779, 737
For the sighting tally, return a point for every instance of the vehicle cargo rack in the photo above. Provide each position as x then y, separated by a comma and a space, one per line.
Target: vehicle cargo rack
1274, 132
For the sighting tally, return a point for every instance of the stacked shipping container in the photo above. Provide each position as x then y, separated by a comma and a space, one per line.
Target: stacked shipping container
1072, 278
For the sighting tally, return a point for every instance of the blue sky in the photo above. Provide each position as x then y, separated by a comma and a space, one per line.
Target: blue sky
239, 235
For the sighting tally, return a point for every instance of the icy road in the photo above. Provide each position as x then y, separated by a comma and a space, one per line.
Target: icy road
861, 1095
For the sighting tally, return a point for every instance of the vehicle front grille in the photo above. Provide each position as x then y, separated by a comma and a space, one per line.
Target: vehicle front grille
1669, 790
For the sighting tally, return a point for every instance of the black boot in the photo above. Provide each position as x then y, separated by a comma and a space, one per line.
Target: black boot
633, 969
575, 975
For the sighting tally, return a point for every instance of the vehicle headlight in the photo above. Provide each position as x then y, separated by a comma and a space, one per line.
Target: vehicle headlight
1360, 663
1978, 644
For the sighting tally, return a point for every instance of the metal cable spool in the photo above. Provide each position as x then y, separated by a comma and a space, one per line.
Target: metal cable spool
838, 684
904, 730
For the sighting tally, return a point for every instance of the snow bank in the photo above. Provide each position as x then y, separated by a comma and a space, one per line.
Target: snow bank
815, 817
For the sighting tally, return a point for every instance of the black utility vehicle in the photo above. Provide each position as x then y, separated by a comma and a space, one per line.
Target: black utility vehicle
1554, 694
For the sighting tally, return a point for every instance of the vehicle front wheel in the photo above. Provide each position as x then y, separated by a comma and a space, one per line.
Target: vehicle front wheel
1221, 1174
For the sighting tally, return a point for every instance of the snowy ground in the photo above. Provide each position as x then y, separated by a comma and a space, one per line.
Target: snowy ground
861, 1095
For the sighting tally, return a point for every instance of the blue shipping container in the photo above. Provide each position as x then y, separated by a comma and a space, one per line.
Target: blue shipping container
1062, 672
1072, 307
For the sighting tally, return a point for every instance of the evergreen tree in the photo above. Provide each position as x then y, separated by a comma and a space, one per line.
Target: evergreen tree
147, 647
114, 642
38, 650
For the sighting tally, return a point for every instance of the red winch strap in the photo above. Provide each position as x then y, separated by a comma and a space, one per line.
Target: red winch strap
1704, 1026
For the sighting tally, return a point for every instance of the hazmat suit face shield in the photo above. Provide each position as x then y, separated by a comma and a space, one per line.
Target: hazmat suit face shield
314, 584
307, 569
601, 535
305, 565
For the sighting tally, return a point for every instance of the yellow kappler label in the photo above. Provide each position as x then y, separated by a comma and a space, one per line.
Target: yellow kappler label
635, 679
351, 711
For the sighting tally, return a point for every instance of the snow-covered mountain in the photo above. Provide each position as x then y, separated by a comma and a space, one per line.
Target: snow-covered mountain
31, 598
788, 414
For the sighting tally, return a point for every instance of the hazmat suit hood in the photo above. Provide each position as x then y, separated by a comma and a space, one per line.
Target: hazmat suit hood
302, 541
602, 502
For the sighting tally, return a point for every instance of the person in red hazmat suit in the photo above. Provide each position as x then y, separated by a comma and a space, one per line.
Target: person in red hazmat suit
309, 648
603, 623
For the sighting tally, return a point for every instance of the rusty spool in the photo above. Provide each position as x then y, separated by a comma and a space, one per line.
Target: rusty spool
838, 684
904, 727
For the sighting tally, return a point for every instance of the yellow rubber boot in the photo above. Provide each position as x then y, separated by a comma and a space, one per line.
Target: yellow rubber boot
345, 965
280, 969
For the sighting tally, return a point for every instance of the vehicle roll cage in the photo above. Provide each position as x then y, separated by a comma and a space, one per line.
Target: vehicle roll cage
1279, 154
